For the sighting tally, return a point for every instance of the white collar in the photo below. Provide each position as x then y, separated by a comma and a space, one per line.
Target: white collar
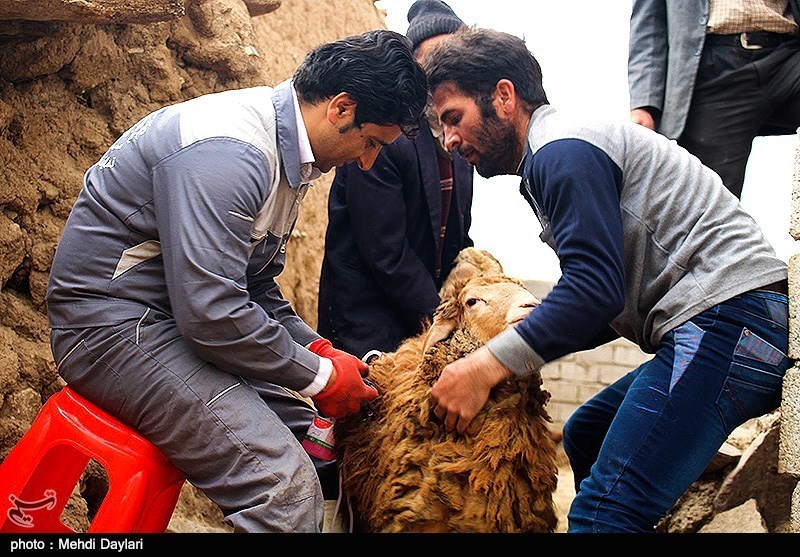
308, 171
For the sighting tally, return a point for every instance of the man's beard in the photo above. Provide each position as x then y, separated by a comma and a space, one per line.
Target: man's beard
499, 148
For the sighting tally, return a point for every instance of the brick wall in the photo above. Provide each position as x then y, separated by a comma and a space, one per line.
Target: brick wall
577, 377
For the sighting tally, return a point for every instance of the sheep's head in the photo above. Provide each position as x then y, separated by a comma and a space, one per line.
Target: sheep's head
483, 306
469, 263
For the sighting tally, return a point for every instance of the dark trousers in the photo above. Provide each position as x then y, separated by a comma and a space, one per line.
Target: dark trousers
740, 94
237, 440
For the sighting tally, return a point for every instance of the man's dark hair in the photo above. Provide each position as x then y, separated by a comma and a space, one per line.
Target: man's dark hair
377, 69
476, 59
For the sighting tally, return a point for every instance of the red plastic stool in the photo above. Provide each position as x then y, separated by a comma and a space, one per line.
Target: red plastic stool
39, 474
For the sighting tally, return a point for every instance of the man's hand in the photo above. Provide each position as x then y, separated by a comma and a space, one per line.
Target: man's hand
643, 118
346, 391
463, 388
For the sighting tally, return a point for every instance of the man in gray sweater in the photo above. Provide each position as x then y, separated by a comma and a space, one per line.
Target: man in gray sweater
654, 249
162, 298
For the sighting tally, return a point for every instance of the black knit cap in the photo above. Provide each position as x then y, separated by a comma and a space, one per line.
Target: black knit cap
428, 18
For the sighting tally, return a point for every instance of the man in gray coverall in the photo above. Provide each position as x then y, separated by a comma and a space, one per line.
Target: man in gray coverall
162, 299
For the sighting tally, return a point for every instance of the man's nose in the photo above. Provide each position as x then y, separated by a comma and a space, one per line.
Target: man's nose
451, 139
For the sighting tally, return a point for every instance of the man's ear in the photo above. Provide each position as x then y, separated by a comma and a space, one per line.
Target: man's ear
505, 97
341, 110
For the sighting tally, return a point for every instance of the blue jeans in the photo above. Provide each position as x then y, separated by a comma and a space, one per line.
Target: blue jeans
639, 444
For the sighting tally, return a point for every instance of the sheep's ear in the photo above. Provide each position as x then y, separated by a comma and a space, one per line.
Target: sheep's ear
441, 328
469, 263
456, 279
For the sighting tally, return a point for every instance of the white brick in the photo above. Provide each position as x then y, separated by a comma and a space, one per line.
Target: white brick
794, 299
551, 371
563, 391
608, 373
630, 355
789, 447
587, 391
604, 353
578, 372
560, 411
794, 218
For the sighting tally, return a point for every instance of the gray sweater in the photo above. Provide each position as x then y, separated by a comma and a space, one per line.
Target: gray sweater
647, 237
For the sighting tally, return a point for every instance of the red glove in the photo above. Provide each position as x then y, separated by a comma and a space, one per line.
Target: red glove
348, 391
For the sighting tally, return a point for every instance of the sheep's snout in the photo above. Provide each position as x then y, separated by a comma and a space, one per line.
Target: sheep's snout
522, 305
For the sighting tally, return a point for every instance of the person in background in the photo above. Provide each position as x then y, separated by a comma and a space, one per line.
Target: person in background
652, 248
394, 229
714, 74
162, 301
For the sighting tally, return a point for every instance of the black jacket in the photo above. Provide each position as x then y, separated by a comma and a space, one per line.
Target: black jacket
377, 283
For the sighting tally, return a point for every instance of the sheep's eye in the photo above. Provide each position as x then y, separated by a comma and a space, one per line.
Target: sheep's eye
471, 302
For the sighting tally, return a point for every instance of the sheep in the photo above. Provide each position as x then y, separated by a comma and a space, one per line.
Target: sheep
401, 471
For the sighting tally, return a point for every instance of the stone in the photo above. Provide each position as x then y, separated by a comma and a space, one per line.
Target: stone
789, 447
742, 436
794, 284
726, 456
92, 11
794, 517
261, 7
12, 251
756, 477
694, 509
23, 405
744, 519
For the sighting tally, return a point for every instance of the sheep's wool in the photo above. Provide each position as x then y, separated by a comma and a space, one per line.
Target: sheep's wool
402, 472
